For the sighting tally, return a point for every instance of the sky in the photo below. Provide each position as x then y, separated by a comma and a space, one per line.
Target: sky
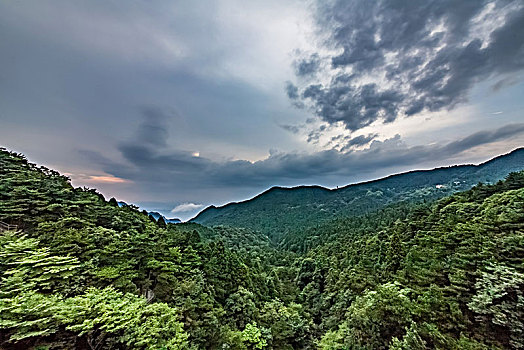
177, 105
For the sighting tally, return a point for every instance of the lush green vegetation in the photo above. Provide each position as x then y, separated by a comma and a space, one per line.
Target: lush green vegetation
282, 212
87, 273
407, 274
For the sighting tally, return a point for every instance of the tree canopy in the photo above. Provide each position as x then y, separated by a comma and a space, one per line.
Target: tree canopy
85, 273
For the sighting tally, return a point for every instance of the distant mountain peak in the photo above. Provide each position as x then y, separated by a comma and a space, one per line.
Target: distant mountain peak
157, 215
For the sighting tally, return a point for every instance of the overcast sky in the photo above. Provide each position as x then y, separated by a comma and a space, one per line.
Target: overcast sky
176, 105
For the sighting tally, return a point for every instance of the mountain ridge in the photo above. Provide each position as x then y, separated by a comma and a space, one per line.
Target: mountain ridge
520, 149
430, 184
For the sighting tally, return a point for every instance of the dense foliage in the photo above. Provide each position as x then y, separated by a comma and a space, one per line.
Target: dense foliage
84, 273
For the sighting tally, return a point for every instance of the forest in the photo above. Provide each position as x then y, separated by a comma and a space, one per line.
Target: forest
81, 272
282, 211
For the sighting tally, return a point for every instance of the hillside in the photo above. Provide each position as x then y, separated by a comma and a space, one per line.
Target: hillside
86, 273
442, 276
279, 211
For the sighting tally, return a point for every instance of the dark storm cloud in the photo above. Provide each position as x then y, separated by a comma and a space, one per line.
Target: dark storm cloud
153, 129
307, 66
348, 143
359, 141
171, 171
355, 106
423, 55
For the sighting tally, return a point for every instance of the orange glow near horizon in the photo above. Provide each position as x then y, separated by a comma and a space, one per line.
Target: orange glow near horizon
107, 179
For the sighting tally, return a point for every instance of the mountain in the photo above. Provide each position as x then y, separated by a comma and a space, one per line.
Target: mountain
280, 211
86, 273
157, 215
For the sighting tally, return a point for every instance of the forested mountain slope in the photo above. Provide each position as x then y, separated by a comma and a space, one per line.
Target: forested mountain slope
279, 212
88, 274
445, 276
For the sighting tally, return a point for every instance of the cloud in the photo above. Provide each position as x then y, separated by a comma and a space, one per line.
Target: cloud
186, 207
291, 128
291, 91
358, 141
483, 137
391, 58
292, 94
106, 179
97, 179
356, 107
307, 66
177, 174
86, 66
506, 82
315, 134
153, 129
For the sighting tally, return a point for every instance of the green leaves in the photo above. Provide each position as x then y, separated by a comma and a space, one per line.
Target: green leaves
252, 336
29, 314
26, 267
125, 316
376, 317
500, 300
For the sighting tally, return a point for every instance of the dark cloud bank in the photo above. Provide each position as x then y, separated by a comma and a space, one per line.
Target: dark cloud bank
150, 164
398, 57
